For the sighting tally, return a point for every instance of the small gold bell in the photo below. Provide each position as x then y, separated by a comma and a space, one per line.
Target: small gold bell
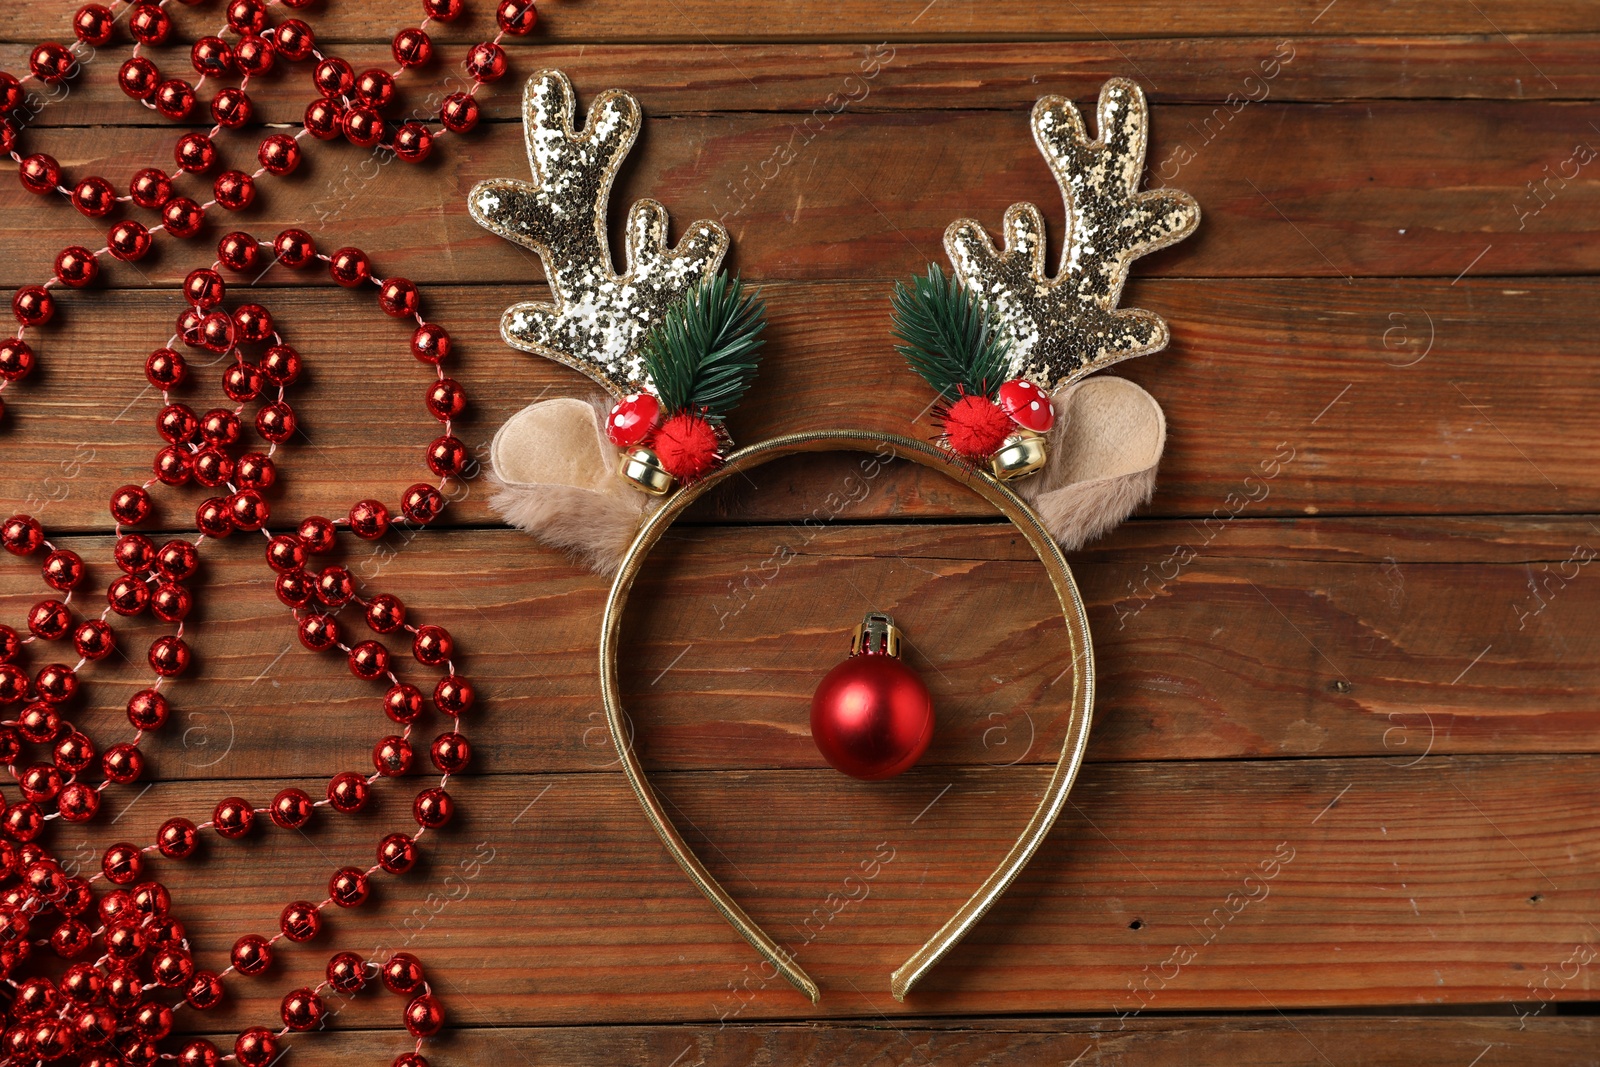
1022, 452
642, 468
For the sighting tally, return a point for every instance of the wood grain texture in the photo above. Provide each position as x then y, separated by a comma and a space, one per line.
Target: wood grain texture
836, 20
1386, 188
1270, 640
1278, 1041
1293, 883
1344, 757
926, 76
1396, 400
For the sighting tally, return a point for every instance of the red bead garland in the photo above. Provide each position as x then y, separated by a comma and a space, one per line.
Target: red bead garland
348, 105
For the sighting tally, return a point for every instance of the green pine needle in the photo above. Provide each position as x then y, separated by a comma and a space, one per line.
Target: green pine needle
702, 355
951, 337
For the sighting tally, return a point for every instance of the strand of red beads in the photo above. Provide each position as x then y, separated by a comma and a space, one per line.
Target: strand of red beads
350, 105
105, 1004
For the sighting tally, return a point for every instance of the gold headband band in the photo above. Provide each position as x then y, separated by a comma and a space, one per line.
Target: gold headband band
1077, 735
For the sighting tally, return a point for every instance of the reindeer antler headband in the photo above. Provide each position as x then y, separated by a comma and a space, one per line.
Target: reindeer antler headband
1006, 347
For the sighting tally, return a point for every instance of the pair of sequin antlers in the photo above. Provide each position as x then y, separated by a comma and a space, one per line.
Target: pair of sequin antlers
1007, 349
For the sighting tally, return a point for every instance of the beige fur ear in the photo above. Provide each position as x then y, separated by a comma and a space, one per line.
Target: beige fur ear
555, 476
1104, 449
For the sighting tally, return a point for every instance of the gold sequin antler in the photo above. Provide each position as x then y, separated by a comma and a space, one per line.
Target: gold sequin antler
1069, 326
598, 317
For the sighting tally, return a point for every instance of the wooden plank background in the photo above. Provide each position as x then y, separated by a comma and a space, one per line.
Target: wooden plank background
1378, 681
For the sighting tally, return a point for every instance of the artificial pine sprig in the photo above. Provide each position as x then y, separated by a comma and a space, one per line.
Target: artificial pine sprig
950, 336
702, 355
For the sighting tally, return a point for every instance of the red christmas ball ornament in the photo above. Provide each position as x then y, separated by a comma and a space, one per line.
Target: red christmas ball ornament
871, 716
687, 446
1027, 405
975, 427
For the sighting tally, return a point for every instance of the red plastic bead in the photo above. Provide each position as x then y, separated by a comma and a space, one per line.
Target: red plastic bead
169, 656
392, 756
128, 596
369, 660
276, 422
151, 188
280, 154
175, 98
76, 266
362, 126
122, 864
205, 992
412, 48
232, 108
234, 190
21, 535
220, 426
300, 920
422, 503
130, 505
247, 510
301, 1010
376, 88
252, 955
347, 972
94, 197
294, 248
212, 467
233, 817
92, 24
51, 62
432, 646
256, 1047
33, 305
443, 10
324, 119
430, 343
177, 839
171, 602
195, 153
211, 56
242, 381
348, 792
39, 173
93, 639
178, 560
333, 77
385, 613
56, 683
453, 695
413, 142
318, 534
403, 703
398, 298
62, 569
294, 40
281, 364
486, 62
247, 16
424, 1016
294, 589
459, 113
254, 54
182, 217
433, 808
129, 241
134, 553
335, 586
16, 360
517, 16
447, 456
255, 470
291, 809
319, 632
402, 974
369, 519
212, 517
349, 267
149, 24
349, 887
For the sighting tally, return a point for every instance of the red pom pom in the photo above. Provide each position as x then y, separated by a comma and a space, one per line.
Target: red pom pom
975, 427
687, 446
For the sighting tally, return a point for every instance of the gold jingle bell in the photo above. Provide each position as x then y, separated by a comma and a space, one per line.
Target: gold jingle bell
643, 470
1021, 453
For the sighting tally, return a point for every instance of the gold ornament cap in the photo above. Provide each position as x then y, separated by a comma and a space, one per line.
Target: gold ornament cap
876, 636
1021, 453
643, 470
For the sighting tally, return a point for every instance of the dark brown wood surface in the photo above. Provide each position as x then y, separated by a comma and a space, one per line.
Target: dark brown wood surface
1377, 682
